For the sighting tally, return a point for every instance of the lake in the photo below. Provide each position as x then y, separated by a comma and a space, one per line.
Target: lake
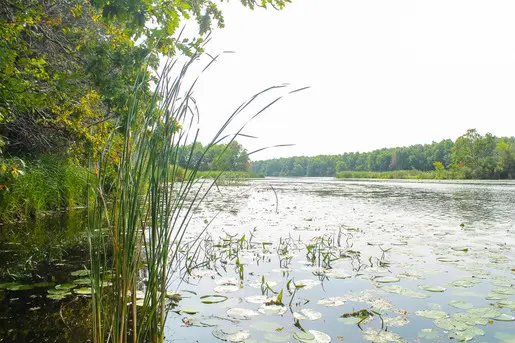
313, 259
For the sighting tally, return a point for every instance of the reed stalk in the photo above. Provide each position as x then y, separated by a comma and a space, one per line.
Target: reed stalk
136, 230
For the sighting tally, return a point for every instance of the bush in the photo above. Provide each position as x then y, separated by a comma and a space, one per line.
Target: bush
46, 184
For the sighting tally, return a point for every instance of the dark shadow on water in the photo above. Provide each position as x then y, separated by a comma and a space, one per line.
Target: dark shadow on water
35, 257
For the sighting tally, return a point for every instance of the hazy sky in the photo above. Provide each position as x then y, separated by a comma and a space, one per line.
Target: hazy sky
382, 73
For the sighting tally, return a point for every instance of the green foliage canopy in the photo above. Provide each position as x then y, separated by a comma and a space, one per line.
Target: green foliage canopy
470, 156
67, 66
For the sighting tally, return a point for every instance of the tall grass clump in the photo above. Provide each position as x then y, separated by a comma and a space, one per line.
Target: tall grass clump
49, 183
395, 174
138, 229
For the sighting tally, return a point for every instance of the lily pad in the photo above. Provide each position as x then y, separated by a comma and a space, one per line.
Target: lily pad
312, 336
272, 309
404, 291
502, 283
241, 313
470, 318
226, 289
450, 324
258, 299
504, 291
53, 291
485, 312
213, 299
231, 335
396, 321
437, 289
14, 286
188, 310
83, 291
205, 321
387, 279
507, 304
337, 274
504, 318
332, 301
468, 334
82, 281
81, 272
59, 296
307, 314
277, 336
66, 286
432, 314
461, 304
496, 296
448, 259
380, 336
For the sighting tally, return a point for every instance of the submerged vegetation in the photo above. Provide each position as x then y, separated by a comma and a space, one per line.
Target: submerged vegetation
471, 156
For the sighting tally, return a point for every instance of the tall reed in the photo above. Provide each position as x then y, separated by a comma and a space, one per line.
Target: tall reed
139, 226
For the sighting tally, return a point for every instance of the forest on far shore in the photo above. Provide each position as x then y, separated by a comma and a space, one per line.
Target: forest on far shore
471, 156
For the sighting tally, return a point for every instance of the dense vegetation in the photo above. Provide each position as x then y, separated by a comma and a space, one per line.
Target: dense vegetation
471, 156
67, 71
232, 156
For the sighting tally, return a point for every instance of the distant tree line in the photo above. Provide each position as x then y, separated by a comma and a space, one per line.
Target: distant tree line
227, 157
471, 156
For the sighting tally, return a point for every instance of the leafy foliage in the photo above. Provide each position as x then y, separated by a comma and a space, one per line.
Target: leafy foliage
68, 66
227, 157
471, 156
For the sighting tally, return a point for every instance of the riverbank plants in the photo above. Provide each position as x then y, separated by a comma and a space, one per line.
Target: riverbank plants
29, 188
137, 230
397, 174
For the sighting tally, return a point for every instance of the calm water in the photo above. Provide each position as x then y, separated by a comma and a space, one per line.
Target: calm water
389, 254
458, 237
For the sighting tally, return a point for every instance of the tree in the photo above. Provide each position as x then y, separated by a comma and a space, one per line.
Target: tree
439, 169
476, 154
68, 65
505, 150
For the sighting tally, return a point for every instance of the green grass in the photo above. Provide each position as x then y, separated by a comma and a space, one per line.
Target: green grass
49, 183
397, 174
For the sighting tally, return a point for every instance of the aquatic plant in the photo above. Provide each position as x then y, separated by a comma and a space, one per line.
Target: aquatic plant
138, 229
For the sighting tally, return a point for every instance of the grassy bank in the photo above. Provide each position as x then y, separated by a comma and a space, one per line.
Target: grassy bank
229, 174
399, 174
50, 183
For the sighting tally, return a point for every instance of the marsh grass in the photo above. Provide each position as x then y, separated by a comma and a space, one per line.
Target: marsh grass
49, 183
137, 231
396, 174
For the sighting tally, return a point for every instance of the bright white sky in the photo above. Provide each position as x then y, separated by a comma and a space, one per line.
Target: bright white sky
382, 73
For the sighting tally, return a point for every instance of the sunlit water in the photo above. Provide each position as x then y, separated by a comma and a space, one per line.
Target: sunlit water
457, 237
386, 253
